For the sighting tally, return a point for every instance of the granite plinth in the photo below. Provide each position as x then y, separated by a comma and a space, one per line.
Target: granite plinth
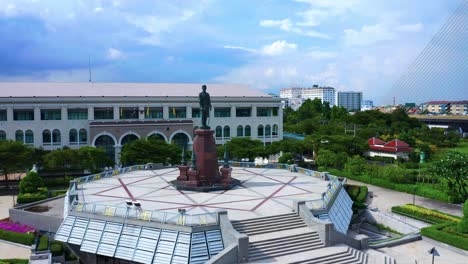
188, 186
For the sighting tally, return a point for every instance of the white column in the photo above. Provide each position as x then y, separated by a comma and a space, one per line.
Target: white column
37, 113
117, 149
116, 113
141, 112
233, 112
254, 111
90, 113
165, 112
189, 112
10, 114
64, 113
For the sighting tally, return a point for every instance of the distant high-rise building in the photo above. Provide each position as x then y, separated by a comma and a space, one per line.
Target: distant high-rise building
349, 100
295, 96
367, 105
325, 94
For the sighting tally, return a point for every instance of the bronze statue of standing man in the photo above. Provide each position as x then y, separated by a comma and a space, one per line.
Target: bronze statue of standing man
205, 107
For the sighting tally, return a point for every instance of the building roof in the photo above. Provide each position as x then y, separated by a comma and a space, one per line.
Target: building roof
375, 141
49, 89
395, 145
446, 102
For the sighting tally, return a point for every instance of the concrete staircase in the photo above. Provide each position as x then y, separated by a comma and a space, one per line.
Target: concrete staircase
281, 246
350, 256
268, 224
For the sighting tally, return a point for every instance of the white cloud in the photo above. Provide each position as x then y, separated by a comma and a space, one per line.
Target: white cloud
240, 48
98, 9
287, 25
278, 48
114, 54
418, 27
284, 24
368, 35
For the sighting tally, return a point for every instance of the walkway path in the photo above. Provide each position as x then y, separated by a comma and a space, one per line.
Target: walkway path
10, 250
384, 199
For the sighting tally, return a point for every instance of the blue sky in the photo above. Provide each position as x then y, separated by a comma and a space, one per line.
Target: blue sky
361, 45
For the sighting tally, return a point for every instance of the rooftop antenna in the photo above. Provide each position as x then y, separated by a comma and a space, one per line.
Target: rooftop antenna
89, 67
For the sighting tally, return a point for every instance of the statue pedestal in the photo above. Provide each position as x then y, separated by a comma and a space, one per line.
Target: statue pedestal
206, 176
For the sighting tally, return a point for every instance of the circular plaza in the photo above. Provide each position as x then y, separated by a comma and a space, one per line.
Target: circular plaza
262, 192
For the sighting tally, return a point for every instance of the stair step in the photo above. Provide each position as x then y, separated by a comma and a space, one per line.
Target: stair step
324, 258
264, 218
283, 253
285, 238
269, 226
300, 242
350, 258
258, 231
267, 222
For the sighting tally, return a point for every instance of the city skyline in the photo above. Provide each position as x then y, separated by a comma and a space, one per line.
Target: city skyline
349, 45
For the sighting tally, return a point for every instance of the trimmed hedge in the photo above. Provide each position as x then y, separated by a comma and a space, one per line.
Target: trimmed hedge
363, 190
24, 198
14, 261
444, 233
56, 248
43, 243
21, 238
421, 190
424, 214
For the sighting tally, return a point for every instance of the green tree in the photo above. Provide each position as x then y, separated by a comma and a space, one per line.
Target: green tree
240, 148
31, 183
14, 156
454, 169
355, 165
65, 160
94, 159
327, 158
463, 225
286, 158
144, 150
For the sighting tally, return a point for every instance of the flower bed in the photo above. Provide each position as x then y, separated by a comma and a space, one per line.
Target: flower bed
446, 233
15, 227
424, 214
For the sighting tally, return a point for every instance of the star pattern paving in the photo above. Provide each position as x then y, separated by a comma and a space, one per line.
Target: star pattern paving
262, 192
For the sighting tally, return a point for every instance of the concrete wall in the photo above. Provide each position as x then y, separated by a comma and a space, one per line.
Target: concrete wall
391, 221
232, 237
40, 221
227, 256
36, 220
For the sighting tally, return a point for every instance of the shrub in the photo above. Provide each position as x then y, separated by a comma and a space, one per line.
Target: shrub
424, 214
463, 225
363, 190
31, 183
56, 248
443, 233
24, 198
14, 261
43, 243
21, 238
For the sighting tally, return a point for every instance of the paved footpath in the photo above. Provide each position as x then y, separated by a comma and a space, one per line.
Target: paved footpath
384, 199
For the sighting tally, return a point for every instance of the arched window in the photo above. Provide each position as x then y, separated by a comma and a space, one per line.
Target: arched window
2, 135
128, 139
19, 136
260, 131
107, 143
227, 132
181, 140
268, 131
156, 136
240, 131
46, 138
29, 137
56, 140
73, 137
275, 130
83, 137
247, 131
219, 132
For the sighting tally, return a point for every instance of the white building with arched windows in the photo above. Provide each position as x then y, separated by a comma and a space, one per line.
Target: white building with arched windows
109, 115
